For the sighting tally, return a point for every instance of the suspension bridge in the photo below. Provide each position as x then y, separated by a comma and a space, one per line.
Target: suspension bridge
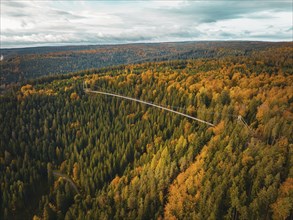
88, 90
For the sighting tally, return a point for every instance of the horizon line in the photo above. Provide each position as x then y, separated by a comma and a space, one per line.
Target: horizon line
134, 43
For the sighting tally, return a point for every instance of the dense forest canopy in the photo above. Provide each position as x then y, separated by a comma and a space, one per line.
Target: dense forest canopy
67, 154
19, 65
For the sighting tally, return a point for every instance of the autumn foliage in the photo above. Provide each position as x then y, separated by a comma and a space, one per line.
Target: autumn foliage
133, 161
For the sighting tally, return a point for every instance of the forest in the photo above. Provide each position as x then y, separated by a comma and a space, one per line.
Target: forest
68, 154
21, 64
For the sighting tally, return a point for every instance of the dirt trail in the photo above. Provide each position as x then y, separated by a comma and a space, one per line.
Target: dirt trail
67, 178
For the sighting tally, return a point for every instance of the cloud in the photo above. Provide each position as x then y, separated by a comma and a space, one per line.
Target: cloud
213, 11
30, 23
13, 4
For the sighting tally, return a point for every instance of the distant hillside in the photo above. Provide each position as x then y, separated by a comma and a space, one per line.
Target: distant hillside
18, 65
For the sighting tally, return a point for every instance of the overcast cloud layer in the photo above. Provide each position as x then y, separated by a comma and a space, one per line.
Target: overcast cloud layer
42, 23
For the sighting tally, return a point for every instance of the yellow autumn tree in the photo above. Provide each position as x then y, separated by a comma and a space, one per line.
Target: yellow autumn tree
284, 204
75, 171
74, 96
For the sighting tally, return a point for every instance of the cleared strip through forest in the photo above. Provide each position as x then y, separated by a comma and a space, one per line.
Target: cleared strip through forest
58, 174
151, 104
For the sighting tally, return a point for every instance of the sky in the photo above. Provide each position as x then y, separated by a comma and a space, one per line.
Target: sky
28, 23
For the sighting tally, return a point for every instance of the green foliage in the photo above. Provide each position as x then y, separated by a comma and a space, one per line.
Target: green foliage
131, 161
